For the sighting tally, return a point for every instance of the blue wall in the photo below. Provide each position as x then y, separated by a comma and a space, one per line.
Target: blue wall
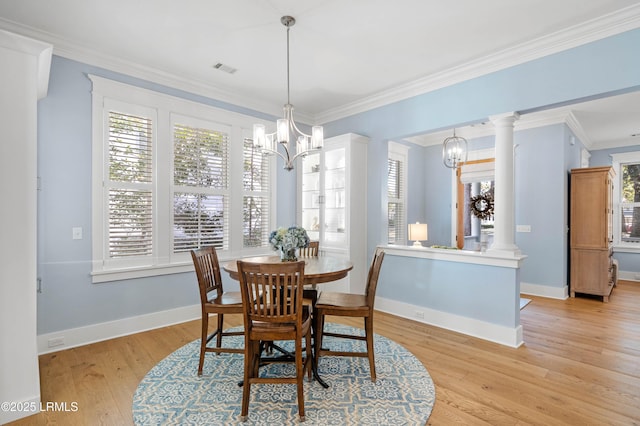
69, 299
540, 198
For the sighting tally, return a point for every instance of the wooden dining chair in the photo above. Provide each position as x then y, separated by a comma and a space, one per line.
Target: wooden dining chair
277, 315
350, 305
214, 300
311, 250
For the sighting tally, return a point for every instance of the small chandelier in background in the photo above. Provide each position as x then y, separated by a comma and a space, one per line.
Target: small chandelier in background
454, 151
286, 129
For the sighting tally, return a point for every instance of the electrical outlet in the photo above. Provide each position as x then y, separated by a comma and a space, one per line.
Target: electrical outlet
56, 341
76, 233
420, 314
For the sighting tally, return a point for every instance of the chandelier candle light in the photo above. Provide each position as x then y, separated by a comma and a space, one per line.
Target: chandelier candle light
454, 151
286, 128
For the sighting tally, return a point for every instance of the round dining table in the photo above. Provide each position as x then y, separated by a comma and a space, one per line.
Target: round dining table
317, 270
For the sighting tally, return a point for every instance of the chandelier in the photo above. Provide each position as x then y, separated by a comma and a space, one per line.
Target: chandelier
454, 151
286, 128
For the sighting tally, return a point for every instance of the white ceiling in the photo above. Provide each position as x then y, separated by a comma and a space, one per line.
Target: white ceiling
346, 56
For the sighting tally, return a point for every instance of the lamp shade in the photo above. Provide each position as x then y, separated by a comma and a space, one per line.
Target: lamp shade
417, 233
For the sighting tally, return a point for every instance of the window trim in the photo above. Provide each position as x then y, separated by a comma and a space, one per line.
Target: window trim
164, 261
617, 160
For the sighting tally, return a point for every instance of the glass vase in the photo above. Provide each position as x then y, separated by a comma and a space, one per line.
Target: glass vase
288, 255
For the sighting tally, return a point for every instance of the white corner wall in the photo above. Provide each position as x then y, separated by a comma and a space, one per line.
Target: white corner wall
24, 74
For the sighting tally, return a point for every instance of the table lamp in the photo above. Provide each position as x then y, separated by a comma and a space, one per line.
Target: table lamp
417, 233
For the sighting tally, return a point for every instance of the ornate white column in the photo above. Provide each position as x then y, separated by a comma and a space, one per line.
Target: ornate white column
504, 204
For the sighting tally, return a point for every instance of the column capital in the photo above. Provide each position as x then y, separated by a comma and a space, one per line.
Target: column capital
505, 118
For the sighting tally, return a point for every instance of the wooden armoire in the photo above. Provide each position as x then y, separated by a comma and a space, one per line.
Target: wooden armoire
591, 231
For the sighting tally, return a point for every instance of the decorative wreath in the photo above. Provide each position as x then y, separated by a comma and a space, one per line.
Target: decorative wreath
482, 205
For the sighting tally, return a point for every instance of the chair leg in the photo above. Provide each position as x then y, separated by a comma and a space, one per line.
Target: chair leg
308, 362
299, 378
257, 353
220, 328
318, 335
203, 341
368, 327
249, 363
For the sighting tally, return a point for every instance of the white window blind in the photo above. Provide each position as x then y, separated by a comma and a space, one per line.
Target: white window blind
256, 197
397, 164
201, 181
129, 187
396, 209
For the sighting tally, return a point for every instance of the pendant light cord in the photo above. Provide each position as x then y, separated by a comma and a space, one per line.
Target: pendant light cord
288, 91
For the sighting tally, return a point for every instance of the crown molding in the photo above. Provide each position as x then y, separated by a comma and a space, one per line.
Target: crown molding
605, 26
574, 124
562, 115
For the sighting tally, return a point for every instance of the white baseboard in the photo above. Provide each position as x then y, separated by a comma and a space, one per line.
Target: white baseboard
483, 330
629, 276
19, 409
544, 291
80, 336
563, 292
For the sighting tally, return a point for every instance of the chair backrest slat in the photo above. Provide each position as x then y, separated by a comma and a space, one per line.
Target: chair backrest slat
271, 292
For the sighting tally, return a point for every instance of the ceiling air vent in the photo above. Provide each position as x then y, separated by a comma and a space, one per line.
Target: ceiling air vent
226, 68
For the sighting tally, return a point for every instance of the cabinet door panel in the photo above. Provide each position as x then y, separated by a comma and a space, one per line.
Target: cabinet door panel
590, 272
589, 211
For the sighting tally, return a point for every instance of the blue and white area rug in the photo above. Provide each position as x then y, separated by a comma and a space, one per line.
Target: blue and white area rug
173, 394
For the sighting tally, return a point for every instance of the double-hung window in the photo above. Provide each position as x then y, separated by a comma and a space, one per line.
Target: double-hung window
170, 176
256, 196
626, 201
200, 185
129, 181
397, 193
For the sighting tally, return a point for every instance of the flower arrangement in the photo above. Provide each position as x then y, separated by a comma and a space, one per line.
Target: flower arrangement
287, 240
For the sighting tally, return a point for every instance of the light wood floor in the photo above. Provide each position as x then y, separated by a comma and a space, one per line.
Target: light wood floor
580, 365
